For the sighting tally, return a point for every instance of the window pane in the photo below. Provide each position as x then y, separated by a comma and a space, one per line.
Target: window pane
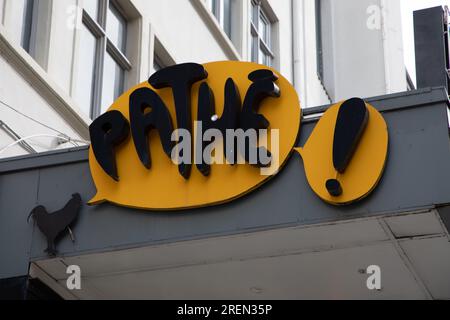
27, 26
227, 17
116, 27
92, 8
85, 71
255, 13
264, 29
157, 64
113, 82
262, 56
268, 60
255, 48
214, 6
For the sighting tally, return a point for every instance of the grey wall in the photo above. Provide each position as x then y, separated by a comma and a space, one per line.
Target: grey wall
416, 176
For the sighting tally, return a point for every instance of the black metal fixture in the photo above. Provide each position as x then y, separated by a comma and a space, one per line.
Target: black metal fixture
52, 225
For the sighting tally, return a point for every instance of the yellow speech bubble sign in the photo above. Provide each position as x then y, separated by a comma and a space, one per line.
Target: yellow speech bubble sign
162, 187
365, 168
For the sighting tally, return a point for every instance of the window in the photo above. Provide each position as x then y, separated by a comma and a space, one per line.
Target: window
86, 72
28, 36
161, 58
157, 63
261, 35
221, 9
34, 34
102, 60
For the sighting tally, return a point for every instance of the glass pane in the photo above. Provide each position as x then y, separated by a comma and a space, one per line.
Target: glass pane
116, 28
27, 26
113, 82
86, 69
255, 13
215, 8
92, 8
255, 48
157, 64
227, 17
268, 60
264, 29
262, 56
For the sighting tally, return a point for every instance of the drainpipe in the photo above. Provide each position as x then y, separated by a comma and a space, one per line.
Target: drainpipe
298, 50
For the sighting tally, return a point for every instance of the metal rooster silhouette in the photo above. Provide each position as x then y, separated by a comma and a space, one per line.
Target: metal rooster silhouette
54, 224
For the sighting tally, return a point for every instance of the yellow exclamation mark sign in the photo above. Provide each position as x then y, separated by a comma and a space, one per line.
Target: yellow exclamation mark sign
345, 155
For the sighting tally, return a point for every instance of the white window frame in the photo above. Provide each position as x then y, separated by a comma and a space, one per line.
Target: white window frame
257, 39
2, 11
97, 27
217, 8
32, 25
29, 26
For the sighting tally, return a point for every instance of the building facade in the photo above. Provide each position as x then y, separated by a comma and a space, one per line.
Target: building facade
64, 62
382, 233
279, 242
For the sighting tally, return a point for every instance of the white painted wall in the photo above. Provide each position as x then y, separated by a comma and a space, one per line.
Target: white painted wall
308, 84
395, 65
20, 94
364, 45
283, 30
367, 63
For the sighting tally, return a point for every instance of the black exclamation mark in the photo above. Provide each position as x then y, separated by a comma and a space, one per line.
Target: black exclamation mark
351, 122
